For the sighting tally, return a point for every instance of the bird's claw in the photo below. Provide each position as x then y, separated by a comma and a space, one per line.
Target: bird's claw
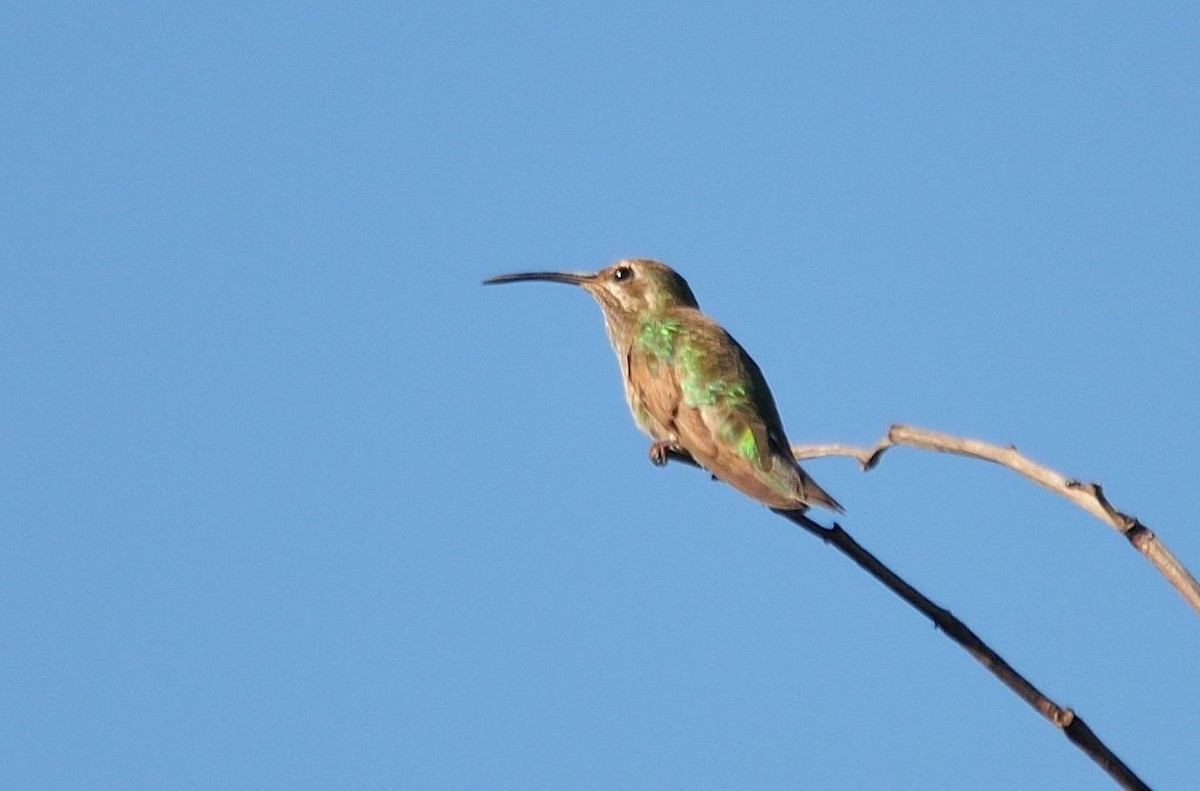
660, 452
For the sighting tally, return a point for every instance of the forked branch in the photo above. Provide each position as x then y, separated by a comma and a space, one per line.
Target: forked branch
1088, 496
1073, 726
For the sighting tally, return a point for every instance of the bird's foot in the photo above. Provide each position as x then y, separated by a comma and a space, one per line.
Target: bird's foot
660, 452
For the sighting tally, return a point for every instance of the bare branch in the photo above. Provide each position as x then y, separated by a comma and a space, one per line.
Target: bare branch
1072, 725
1088, 496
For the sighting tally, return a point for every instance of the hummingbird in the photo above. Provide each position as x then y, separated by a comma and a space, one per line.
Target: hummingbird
690, 386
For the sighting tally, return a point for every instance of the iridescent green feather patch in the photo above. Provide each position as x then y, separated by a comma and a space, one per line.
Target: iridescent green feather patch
747, 446
658, 337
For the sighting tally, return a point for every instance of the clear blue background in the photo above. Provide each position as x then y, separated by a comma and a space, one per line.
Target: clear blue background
290, 501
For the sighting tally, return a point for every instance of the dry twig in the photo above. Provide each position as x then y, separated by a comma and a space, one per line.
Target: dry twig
1088, 496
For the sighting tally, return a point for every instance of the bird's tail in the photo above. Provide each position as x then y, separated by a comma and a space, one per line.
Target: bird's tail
813, 494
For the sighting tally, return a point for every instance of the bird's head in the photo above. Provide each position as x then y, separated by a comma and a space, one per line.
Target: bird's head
625, 289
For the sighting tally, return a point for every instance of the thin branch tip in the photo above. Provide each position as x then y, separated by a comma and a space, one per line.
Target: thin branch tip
945, 621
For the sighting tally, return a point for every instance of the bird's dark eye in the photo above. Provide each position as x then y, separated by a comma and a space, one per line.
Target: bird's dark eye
622, 273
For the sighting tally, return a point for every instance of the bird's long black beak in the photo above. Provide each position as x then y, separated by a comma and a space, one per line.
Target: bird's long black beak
573, 278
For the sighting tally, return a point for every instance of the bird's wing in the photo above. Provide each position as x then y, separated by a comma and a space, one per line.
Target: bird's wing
764, 402
720, 396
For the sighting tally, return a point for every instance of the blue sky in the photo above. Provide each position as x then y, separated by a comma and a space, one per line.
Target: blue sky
290, 501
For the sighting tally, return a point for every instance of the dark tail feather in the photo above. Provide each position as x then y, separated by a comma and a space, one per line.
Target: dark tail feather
813, 494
